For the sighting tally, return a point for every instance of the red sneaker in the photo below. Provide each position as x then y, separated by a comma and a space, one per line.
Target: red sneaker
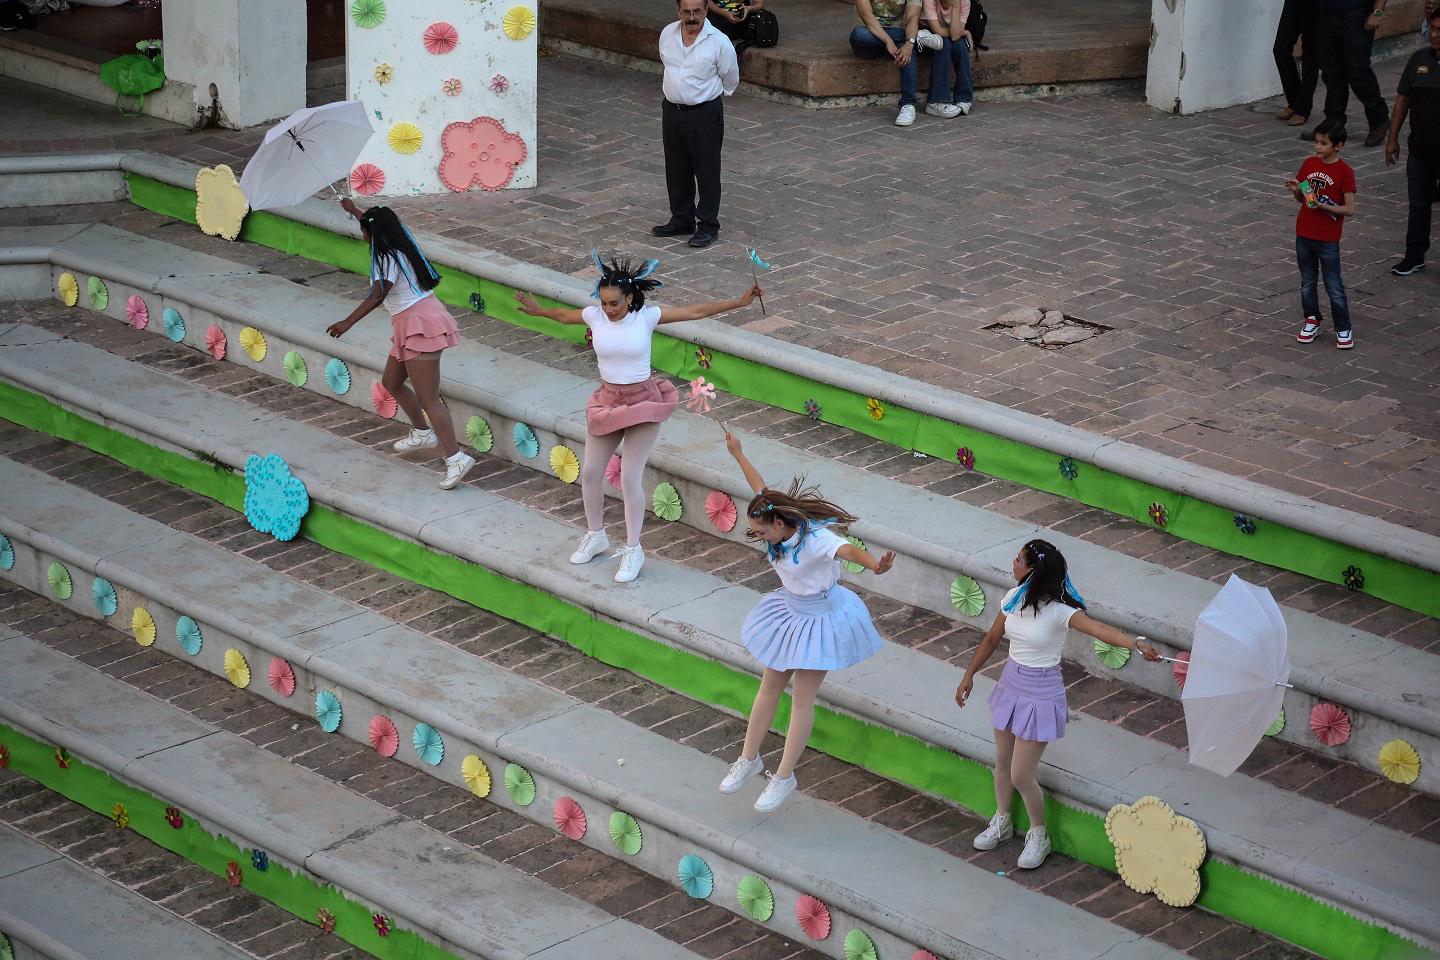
1308, 331
1345, 341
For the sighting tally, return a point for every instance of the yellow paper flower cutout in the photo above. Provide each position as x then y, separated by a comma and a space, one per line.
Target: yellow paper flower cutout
519, 22
405, 137
876, 408
220, 206
476, 774
252, 341
1157, 850
384, 73
68, 288
236, 668
142, 625
1400, 762
564, 464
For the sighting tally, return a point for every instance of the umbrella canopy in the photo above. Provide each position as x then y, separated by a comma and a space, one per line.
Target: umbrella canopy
305, 153
1239, 669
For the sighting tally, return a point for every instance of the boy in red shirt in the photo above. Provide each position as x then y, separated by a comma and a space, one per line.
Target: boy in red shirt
1325, 190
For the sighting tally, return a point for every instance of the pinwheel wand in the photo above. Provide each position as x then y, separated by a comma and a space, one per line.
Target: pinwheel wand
755, 261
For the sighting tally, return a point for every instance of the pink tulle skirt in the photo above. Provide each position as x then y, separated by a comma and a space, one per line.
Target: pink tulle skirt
616, 406
423, 327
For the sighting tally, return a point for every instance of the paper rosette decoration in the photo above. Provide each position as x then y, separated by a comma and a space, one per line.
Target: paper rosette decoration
215, 342
337, 376
1157, 850
1112, 656
102, 594
564, 464
625, 833
367, 179
296, 370
188, 635
260, 860
479, 153
275, 499
875, 408
755, 898
405, 137
7, 553
383, 401
367, 13
721, 511
328, 711
99, 293
519, 784
174, 325
1400, 762
813, 917
68, 288
440, 37
923, 955
849, 566
666, 502
383, 735
569, 818
137, 311
612, 470
1330, 724
477, 432
220, 204
428, 744
525, 443
142, 626
384, 73
476, 775
1068, 469
1180, 669
60, 583
519, 22
696, 877
282, 676
966, 596
252, 341
7, 951
859, 946
237, 669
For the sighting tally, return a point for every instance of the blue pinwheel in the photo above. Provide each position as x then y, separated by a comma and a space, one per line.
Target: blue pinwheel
755, 261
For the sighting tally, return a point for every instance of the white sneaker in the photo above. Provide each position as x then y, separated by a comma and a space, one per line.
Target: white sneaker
926, 40
740, 771
906, 116
945, 110
1000, 829
591, 546
964, 107
417, 440
631, 560
777, 791
1037, 848
455, 469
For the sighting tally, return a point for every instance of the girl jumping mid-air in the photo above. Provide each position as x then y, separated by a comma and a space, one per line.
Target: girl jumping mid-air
809, 626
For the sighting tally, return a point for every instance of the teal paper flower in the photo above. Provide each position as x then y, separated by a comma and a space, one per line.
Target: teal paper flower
696, 877
260, 860
7, 553
275, 500
1245, 523
525, 443
477, 303
102, 592
1354, 578
188, 635
1068, 470
428, 744
337, 375
174, 325
327, 711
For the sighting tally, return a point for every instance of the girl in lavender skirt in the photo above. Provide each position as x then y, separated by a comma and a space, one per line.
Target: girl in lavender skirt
1027, 706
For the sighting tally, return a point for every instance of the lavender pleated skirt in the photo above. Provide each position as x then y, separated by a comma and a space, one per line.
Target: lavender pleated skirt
1029, 702
826, 631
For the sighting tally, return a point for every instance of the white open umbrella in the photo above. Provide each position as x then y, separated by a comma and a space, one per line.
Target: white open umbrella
305, 153
1239, 669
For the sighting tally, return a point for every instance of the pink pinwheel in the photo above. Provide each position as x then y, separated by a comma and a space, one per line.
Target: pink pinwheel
282, 678
137, 312
215, 341
1330, 724
383, 401
367, 179
813, 917
612, 471
569, 818
701, 394
383, 735
441, 37
721, 511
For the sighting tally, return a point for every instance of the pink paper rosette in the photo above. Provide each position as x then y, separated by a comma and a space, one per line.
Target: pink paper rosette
1330, 724
569, 818
1180, 669
721, 511
383, 735
383, 401
215, 342
441, 37
923, 955
813, 917
282, 677
612, 471
367, 179
137, 311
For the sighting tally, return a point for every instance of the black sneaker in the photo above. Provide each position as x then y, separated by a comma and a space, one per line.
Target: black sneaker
1407, 266
1377, 136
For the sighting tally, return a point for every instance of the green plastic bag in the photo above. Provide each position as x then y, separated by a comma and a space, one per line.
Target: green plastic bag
133, 75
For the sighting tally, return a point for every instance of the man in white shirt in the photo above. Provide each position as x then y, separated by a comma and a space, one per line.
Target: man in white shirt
700, 67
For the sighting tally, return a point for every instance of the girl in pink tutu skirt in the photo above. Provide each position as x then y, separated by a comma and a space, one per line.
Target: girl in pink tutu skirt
1027, 706
631, 402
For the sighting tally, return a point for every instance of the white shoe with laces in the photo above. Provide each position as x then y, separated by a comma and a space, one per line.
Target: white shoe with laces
926, 40
964, 107
594, 543
1037, 848
999, 830
631, 560
417, 440
906, 116
741, 771
777, 791
455, 469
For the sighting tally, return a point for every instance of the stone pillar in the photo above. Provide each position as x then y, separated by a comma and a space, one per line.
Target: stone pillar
1206, 54
252, 52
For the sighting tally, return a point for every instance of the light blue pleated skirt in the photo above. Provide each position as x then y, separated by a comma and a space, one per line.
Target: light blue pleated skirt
827, 631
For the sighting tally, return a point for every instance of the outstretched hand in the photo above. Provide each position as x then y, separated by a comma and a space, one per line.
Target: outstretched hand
885, 562
338, 328
1147, 651
527, 302
749, 296
348, 205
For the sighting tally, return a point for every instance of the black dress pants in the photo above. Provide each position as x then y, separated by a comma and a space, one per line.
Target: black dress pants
1345, 62
692, 137
1298, 22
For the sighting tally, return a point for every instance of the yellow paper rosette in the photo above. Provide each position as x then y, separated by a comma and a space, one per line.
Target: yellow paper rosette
519, 22
68, 288
142, 625
405, 137
564, 464
1400, 762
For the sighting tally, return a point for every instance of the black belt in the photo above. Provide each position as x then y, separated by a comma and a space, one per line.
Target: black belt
691, 106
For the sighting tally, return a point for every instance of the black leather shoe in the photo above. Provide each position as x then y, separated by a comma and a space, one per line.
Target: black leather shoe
702, 238
671, 229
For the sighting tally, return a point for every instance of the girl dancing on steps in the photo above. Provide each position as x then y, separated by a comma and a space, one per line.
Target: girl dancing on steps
809, 626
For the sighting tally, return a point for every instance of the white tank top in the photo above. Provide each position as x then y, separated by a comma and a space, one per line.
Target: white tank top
622, 347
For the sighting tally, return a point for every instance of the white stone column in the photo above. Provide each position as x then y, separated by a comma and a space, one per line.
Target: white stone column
1206, 54
252, 51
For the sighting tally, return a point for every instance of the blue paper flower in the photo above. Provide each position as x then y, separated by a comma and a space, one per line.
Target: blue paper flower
327, 711
1245, 523
1068, 470
525, 443
696, 878
260, 860
102, 592
187, 633
275, 500
477, 303
1354, 578
427, 743
337, 375
7, 553
174, 325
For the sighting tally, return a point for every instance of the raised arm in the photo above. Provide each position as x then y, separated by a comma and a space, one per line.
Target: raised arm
1081, 621
865, 558
752, 476
982, 654
699, 311
529, 307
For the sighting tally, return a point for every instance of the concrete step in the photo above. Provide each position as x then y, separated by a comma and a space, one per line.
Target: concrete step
1095, 766
457, 899
52, 907
1375, 678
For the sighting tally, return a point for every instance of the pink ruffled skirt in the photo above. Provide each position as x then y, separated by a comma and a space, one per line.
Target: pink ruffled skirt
423, 327
616, 406
1029, 702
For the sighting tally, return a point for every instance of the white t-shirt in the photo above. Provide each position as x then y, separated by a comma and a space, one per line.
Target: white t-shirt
402, 295
816, 569
1036, 639
622, 347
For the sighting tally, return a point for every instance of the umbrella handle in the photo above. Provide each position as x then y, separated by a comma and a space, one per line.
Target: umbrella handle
1290, 686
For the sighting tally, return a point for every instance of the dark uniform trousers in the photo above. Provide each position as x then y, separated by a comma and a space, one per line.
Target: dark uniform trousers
692, 136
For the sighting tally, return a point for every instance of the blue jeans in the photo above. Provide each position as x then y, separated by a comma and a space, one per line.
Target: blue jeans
954, 60
1317, 257
868, 47
1420, 174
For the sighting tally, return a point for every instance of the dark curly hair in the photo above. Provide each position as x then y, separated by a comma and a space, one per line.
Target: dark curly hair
1049, 578
632, 281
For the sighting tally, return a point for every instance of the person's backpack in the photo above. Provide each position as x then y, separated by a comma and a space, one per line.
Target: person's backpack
976, 24
762, 28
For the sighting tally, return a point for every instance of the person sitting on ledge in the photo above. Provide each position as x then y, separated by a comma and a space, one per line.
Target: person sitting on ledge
731, 17
948, 23
892, 27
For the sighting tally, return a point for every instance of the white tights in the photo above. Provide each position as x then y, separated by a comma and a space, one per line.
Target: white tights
639, 440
